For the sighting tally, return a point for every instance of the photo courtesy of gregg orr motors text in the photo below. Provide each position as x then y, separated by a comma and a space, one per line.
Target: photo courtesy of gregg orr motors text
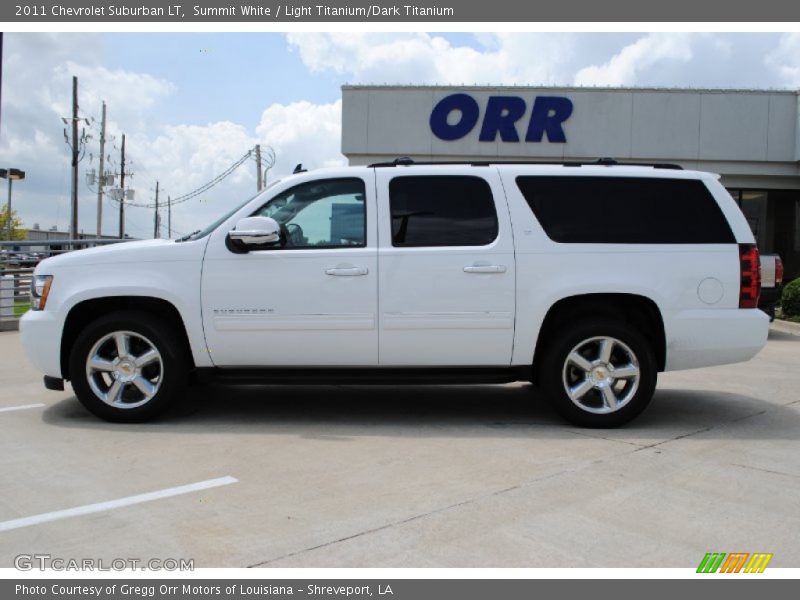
276, 11
187, 589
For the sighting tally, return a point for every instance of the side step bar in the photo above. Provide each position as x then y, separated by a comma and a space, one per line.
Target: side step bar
363, 376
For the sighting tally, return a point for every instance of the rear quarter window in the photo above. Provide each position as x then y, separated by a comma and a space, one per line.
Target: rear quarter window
626, 210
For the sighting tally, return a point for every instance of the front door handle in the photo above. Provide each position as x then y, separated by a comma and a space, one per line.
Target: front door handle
347, 271
485, 269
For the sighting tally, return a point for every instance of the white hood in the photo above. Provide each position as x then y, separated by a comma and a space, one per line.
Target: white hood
126, 252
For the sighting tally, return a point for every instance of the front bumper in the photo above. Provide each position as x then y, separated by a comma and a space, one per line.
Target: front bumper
40, 333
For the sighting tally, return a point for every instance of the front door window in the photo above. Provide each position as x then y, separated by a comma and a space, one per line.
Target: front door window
328, 213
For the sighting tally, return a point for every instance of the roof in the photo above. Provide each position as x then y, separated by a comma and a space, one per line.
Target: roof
551, 88
603, 162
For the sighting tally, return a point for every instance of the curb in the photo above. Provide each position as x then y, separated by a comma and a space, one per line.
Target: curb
10, 325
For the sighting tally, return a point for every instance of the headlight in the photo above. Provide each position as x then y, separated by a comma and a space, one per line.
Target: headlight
40, 288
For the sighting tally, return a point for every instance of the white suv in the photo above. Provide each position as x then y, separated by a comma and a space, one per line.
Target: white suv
586, 279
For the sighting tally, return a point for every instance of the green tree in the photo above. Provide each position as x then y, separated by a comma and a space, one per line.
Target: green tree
790, 301
17, 231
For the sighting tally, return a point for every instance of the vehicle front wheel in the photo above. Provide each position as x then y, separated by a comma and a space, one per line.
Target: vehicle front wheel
128, 366
599, 373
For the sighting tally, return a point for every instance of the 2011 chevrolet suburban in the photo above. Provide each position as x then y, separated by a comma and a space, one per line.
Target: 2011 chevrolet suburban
586, 279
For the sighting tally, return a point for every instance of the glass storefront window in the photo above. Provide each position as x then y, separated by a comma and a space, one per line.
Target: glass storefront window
774, 217
754, 207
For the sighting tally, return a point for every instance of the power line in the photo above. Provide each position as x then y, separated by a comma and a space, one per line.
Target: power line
214, 181
203, 188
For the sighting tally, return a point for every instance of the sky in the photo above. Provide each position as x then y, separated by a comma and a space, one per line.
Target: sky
191, 104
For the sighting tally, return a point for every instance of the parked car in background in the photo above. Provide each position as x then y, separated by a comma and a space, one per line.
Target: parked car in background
771, 283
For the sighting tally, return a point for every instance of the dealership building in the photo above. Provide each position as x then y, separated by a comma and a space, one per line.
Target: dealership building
750, 137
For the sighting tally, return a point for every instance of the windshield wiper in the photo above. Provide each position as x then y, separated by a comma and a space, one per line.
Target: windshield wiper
188, 236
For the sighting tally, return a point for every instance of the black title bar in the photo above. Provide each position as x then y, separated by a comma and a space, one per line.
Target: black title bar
731, 588
418, 11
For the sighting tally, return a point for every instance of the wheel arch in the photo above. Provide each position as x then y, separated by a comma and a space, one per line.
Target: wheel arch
640, 311
84, 312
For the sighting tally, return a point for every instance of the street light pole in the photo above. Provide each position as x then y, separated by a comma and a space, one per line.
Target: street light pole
8, 224
11, 175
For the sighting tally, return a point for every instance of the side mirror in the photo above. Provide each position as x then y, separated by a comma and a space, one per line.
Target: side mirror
254, 233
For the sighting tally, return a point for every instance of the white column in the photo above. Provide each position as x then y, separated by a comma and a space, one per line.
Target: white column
7, 298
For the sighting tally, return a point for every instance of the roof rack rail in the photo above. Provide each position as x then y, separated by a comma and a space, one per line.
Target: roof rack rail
605, 161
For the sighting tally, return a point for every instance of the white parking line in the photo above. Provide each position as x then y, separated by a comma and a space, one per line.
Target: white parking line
118, 503
23, 407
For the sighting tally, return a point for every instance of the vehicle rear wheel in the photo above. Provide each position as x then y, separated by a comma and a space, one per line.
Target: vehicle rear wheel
599, 373
128, 366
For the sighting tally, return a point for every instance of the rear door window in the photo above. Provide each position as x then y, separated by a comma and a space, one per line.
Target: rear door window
442, 210
626, 210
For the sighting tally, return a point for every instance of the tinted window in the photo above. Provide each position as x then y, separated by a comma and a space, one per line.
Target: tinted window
328, 213
626, 210
442, 211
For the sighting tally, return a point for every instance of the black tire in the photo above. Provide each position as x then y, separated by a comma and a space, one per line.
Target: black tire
555, 372
171, 370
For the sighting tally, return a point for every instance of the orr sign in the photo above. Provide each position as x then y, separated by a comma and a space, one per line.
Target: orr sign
456, 115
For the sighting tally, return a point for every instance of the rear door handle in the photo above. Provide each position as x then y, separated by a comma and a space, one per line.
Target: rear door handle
347, 271
485, 269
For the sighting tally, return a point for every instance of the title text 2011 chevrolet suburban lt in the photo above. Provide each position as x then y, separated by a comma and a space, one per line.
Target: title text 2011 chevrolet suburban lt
587, 280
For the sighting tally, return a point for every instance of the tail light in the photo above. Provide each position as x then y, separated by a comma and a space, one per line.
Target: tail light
778, 271
750, 272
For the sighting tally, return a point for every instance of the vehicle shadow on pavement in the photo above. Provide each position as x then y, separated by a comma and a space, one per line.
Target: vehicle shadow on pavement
458, 411
783, 336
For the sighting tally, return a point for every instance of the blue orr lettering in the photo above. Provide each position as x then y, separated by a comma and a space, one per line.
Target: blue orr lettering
502, 113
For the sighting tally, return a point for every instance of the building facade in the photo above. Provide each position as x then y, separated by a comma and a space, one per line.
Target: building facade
750, 137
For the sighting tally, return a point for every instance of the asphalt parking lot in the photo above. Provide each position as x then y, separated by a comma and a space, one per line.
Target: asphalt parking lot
338, 476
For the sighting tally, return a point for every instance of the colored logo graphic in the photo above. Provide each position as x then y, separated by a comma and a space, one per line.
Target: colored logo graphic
735, 562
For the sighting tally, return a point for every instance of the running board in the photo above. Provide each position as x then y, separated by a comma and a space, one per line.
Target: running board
363, 376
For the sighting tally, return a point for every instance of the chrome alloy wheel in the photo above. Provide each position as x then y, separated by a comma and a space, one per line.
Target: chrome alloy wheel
124, 369
601, 375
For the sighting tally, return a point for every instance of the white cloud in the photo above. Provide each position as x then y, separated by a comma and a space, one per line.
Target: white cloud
421, 58
303, 132
184, 157
38, 84
705, 60
37, 90
117, 87
785, 59
625, 66
188, 154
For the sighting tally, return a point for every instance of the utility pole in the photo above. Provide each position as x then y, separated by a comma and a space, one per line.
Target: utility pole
155, 220
258, 167
122, 191
77, 145
102, 178
169, 217
73, 223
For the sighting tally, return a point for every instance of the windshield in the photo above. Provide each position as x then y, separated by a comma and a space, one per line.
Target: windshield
201, 233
